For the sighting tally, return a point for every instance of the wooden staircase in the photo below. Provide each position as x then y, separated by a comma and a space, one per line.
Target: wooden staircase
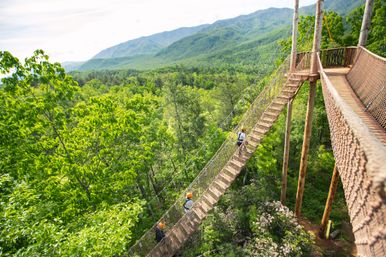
187, 225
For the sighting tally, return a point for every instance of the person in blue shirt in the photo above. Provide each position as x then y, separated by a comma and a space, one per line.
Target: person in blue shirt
159, 232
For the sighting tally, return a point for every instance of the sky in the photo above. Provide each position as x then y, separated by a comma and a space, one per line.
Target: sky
76, 30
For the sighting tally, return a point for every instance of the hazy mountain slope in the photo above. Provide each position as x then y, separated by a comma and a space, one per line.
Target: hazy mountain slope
133, 47
248, 52
147, 45
243, 39
140, 62
226, 33
240, 35
232, 32
70, 66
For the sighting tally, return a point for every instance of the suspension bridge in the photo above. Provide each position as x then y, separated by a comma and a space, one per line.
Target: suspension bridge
353, 81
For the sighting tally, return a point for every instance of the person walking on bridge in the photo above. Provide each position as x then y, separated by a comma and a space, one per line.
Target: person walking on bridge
241, 137
188, 204
159, 232
241, 142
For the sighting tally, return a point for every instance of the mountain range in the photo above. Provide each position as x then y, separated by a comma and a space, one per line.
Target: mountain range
244, 39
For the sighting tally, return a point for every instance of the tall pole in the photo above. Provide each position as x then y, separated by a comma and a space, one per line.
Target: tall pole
289, 106
286, 153
317, 37
330, 199
294, 36
310, 107
366, 23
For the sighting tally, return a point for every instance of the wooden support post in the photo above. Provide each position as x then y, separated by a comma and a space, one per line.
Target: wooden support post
310, 107
286, 152
366, 23
306, 146
330, 199
317, 37
294, 36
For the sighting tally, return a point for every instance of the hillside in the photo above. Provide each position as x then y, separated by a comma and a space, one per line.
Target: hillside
228, 33
239, 40
70, 66
147, 45
342, 7
219, 42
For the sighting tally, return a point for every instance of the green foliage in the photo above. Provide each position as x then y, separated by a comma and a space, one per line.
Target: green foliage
332, 33
376, 40
77, 161
86, 163
332, 30
104, 233
243, 224
64, 160
277, 233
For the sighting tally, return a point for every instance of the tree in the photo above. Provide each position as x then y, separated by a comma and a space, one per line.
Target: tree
376, 41
62, 172
333, 30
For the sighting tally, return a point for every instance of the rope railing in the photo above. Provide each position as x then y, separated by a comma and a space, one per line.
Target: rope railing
360, 159
218, 161
367, 76
368, 80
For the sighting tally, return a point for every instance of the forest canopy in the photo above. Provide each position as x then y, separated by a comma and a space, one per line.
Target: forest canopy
90, 161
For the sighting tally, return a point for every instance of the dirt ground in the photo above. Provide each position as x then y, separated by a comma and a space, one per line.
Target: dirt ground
342, 246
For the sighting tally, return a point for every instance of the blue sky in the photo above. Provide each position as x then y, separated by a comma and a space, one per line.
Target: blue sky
76, 30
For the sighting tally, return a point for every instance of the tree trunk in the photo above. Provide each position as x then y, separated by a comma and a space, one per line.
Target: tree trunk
245, 176
179, 124
153, 184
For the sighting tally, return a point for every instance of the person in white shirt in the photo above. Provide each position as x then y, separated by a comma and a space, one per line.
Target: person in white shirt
188, 202
241, 137
241, 142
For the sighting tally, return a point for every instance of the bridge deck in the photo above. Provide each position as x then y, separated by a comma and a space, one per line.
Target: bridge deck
337, 77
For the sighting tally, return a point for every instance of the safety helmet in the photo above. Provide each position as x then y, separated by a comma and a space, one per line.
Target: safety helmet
161, 225
243, 129
189, 195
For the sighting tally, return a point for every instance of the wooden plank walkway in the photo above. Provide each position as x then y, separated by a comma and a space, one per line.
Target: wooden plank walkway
338, 79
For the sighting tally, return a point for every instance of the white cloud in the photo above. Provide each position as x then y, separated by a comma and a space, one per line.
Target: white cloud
78, 29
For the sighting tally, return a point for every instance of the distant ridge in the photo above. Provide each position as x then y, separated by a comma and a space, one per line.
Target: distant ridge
149, 44
243, 39
71, 66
